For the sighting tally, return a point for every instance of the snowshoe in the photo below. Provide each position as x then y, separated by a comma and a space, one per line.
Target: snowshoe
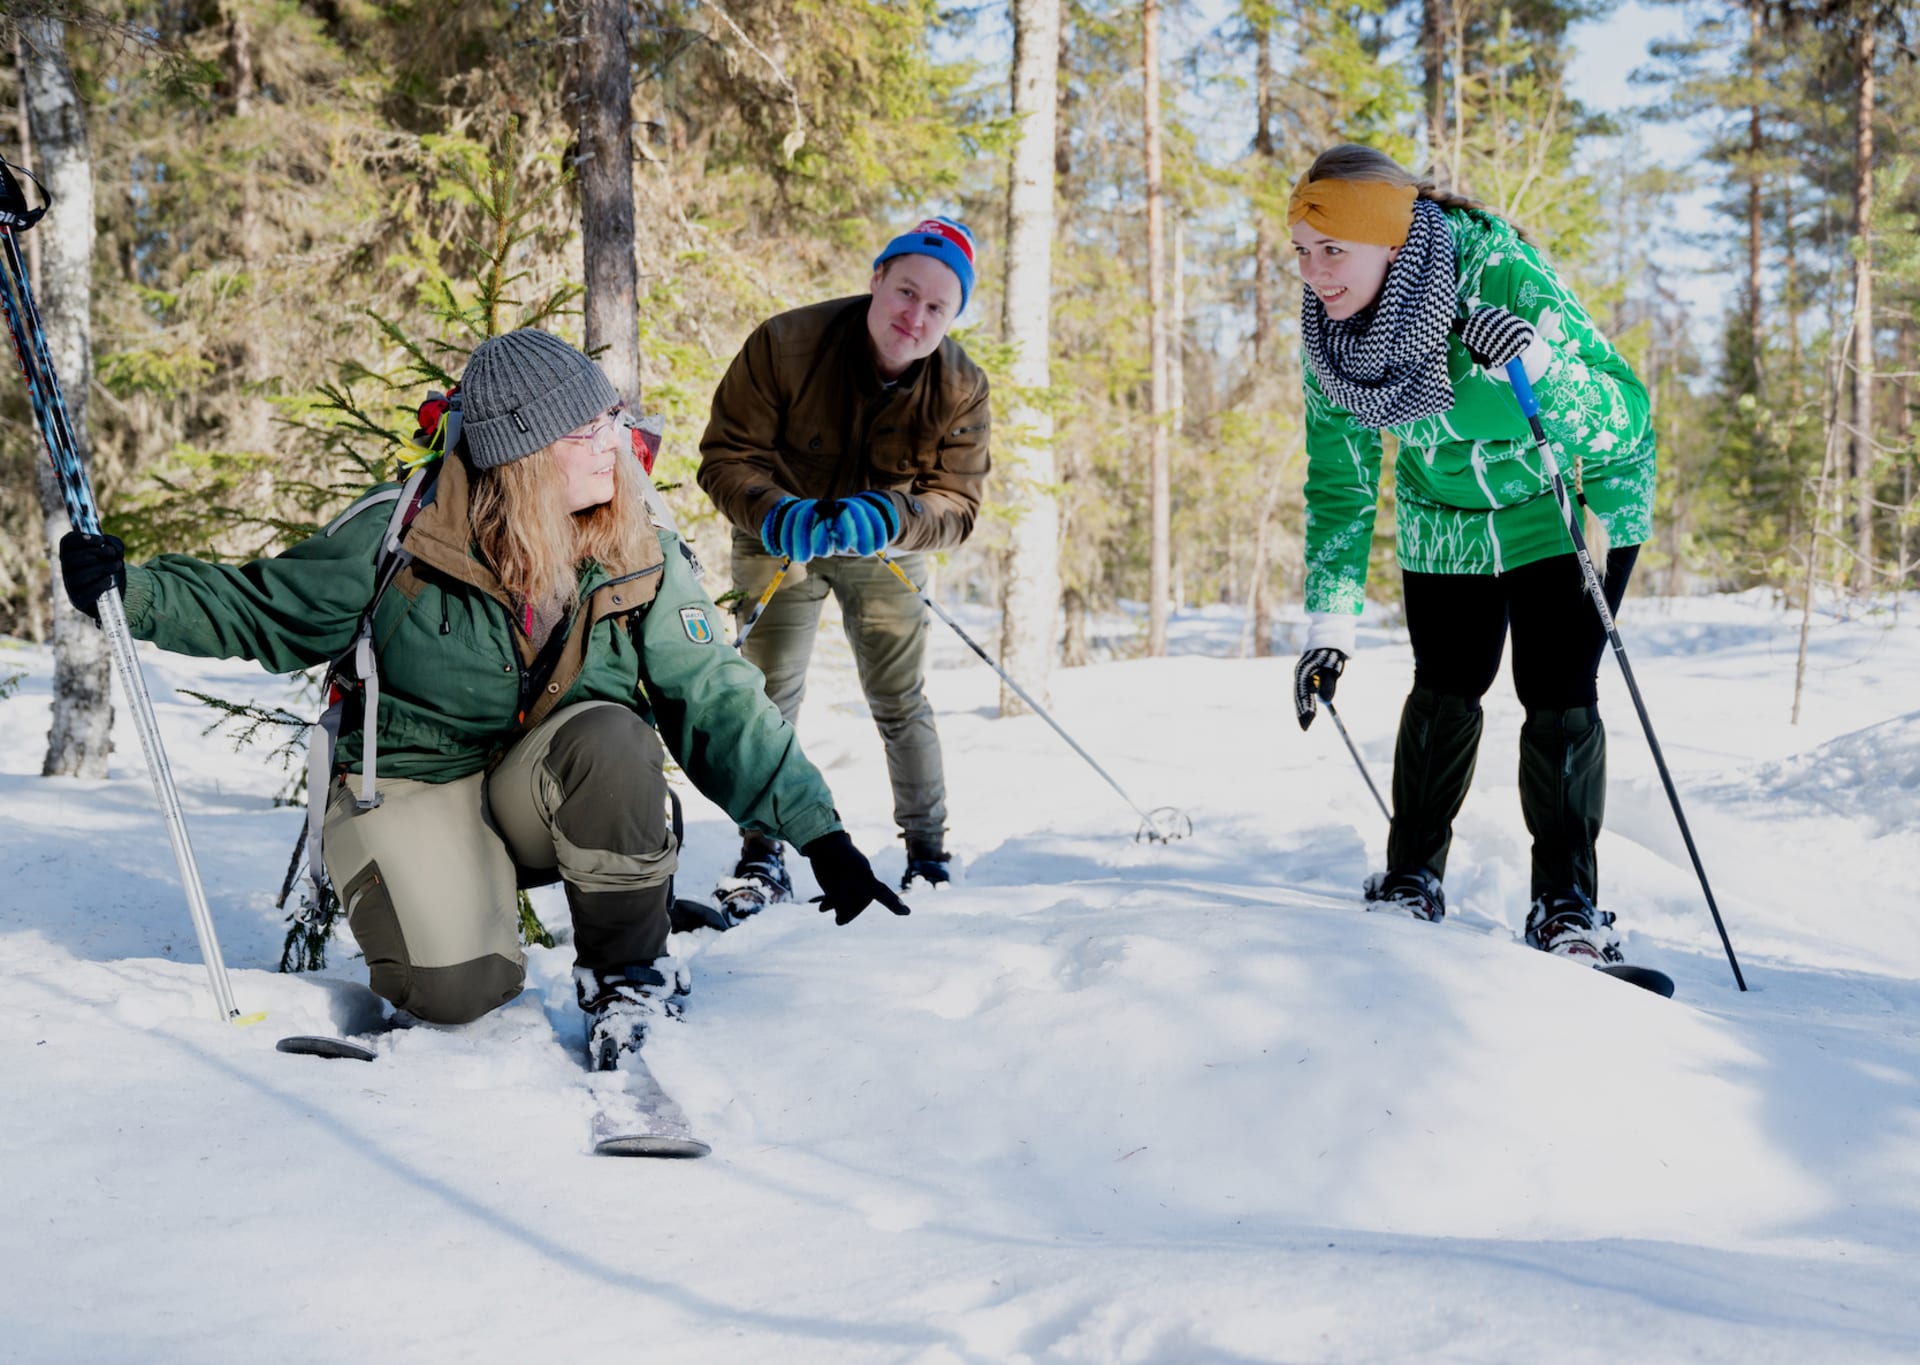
759, 879
1416, 891
1568, 924
622, 1003
928, 862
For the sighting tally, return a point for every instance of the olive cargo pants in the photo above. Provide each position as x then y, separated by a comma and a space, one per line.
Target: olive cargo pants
887, 630
429, 877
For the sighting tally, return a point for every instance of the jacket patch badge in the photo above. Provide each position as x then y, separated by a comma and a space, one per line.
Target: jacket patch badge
698, 628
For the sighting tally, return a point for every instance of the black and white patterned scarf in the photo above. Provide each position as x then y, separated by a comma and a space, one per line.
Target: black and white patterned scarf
1387, 363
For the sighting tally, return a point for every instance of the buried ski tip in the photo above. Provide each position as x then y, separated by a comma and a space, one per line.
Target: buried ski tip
1646, 978
320, 1045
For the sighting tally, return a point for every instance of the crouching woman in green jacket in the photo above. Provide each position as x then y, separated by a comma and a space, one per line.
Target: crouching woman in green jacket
543, 640
1415, 303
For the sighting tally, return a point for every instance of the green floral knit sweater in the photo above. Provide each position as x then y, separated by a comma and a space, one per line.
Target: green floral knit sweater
1470, 492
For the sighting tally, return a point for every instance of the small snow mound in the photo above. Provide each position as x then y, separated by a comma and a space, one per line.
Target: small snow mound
1865, 774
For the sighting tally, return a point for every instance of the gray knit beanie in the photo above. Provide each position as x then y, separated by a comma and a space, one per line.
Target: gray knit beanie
524, 390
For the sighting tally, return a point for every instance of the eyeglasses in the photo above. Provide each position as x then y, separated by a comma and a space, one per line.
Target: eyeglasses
613, 420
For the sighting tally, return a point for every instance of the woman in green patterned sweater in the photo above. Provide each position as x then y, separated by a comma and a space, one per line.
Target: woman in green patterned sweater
1415, 302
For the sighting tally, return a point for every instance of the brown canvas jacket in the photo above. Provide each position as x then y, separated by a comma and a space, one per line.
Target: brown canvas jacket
802, 413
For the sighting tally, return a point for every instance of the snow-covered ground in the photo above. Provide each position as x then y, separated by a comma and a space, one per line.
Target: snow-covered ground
1100, 1101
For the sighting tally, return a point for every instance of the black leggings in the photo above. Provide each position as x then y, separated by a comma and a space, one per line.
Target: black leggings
1459, 627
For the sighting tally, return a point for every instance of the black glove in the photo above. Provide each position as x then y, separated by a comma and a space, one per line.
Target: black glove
89, 565
1494, 337
1318, 671
847, 883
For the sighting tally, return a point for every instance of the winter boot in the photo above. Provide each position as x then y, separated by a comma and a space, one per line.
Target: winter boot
1568, 923
1433, 762
622, 1003
1563, 795
759, 879
927, 859
1416, 891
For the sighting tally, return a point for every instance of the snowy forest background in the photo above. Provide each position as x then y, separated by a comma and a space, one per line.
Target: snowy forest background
293, 204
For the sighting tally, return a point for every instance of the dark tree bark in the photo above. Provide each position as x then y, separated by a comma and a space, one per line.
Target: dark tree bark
601, 95
1433, 82
1756, 333
1863, 461
253, 429
1265, 228
1062, 112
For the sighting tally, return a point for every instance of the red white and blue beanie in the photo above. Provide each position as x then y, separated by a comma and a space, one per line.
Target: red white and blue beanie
947, 241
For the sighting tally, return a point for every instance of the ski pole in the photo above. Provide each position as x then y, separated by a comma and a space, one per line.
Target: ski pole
1158, 835
1359, 762
753, 617
50, 411
1530, 406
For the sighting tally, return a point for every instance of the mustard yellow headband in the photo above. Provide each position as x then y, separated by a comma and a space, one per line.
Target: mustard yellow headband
1370, 211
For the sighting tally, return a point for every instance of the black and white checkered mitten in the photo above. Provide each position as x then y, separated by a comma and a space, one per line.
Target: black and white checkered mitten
1494, 337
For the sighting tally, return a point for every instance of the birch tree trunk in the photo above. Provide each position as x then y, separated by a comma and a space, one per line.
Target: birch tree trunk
1160, 574
1863, 311
81, 736
1030, 607
602, 99
1265, 287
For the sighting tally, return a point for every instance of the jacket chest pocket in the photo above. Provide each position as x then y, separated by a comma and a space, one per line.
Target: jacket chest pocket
439, 656
424, 617
964, 447
895, 455
632, 593
628, 596
812, 453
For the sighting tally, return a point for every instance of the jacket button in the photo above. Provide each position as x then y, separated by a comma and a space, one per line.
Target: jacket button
814, 444
506, 668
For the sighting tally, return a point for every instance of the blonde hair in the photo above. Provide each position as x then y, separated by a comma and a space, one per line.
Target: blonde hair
536, 547
1351, 161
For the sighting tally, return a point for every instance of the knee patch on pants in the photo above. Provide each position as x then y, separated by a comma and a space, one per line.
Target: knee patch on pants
455, 994
610, 765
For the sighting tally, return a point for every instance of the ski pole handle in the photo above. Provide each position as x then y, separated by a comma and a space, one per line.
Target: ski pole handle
753, 617
1523, 391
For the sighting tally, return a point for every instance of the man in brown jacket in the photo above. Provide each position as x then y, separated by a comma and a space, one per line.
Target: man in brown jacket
842, 429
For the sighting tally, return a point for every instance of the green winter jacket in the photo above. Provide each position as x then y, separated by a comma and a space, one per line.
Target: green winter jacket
454, 667
1470, 493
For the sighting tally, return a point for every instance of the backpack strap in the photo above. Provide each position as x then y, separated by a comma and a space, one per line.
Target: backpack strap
408, 501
